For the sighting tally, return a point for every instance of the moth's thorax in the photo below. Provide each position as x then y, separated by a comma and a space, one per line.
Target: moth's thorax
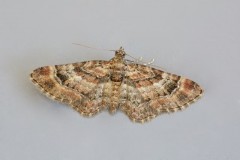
117, 65
117, 69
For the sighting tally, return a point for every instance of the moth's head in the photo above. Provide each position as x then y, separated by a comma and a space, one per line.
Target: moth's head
120, 53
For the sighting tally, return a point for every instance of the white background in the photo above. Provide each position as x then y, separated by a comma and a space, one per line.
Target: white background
199, 39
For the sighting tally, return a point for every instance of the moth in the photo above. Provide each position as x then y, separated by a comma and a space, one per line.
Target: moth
140, 91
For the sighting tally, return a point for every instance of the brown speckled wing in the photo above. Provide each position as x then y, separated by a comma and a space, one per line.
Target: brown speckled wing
148, 92
80, 85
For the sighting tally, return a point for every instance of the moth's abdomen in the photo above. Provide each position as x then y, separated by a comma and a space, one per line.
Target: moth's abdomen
115, 96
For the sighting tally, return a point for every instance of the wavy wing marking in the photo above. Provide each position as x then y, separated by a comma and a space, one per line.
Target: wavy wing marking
80, 85
150, 92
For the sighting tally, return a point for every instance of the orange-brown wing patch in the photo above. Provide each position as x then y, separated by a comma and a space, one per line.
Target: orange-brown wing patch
79, 84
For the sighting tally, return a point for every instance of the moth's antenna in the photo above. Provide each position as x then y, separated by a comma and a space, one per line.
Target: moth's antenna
140, 60
93, 47
136, 59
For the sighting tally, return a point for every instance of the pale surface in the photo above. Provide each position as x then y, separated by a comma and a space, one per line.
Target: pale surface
194, 38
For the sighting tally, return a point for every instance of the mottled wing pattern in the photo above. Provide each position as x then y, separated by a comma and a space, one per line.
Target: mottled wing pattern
80, 85
148, 92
